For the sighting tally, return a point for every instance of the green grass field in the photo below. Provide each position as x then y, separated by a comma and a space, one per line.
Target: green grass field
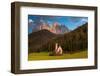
45, 56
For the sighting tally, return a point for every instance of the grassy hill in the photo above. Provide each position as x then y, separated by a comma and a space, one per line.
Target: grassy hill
74, 44
45, 56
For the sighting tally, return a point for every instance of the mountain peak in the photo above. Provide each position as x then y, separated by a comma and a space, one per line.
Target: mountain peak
55, 28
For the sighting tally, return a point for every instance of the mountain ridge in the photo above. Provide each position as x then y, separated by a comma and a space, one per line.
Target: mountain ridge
54, 28
72, 41
36, 39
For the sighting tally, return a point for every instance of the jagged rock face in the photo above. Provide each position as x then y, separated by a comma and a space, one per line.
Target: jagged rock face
54, 28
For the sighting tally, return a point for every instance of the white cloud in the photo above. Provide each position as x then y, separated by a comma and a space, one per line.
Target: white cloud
30, 21
85, 20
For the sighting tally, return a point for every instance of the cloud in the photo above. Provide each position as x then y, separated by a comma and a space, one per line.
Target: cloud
84, 20
30, 21
41, 20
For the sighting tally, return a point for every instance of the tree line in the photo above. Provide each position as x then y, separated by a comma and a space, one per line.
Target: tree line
76, 40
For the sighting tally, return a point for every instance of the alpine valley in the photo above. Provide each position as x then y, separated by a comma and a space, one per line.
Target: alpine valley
44, 37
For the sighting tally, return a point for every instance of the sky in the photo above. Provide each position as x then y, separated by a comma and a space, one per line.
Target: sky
71, 22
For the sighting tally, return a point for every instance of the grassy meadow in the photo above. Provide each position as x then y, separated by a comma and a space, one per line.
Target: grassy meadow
45, 56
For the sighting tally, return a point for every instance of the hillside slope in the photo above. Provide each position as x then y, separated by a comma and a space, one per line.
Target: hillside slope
75, 40
36, 39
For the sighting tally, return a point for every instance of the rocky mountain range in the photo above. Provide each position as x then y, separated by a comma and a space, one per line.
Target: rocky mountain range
44, 40
55, 28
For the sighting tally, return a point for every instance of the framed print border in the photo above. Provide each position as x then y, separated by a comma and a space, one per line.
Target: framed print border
15, 37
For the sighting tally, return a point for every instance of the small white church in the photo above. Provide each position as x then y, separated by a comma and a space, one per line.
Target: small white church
58, 49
